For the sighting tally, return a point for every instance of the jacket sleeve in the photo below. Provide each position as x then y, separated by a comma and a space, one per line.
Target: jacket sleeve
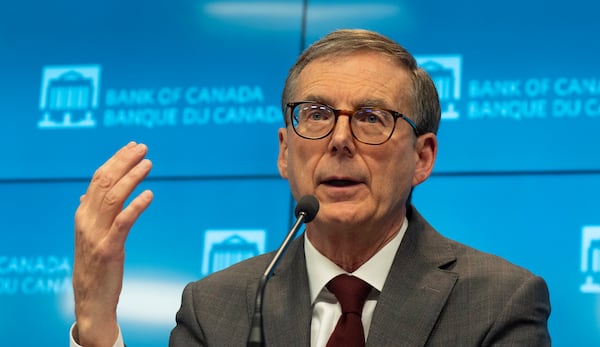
524, 319
188, 331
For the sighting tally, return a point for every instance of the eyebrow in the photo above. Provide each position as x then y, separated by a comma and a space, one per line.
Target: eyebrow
379, 103
371, 103
318, 99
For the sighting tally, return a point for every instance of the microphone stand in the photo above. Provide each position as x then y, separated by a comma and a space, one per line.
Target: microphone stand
256, 338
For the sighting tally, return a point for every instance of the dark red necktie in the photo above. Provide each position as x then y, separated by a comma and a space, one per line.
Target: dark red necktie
351, 292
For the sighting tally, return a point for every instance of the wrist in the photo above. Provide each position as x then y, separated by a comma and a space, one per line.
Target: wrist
89, 333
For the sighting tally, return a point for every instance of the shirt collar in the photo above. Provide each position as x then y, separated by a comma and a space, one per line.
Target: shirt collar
321, 270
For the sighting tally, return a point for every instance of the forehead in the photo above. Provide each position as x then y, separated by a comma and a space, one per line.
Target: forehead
354, 80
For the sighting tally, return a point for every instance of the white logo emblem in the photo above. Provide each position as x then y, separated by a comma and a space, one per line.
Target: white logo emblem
590, 259
69, 95
445, 71
223, 248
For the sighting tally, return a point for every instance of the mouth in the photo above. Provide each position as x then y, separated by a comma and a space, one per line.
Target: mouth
340, 183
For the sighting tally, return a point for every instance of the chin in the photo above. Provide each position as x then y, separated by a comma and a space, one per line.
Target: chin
342, 213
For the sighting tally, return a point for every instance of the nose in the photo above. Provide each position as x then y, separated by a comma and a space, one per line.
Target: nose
342, 141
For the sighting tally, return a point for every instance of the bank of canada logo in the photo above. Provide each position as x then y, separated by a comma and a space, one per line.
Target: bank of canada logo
445, 71
223, 248
590, 259
69, 96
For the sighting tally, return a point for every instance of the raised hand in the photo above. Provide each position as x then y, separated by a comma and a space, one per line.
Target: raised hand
102, 223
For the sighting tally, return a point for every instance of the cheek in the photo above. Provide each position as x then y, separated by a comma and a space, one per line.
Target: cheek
392, 175
302, 161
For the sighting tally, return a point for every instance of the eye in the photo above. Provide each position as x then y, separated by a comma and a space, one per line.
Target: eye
315, 113
370, 116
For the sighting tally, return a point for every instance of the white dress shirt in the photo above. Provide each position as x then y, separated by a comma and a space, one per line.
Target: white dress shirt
118, 343
326, 309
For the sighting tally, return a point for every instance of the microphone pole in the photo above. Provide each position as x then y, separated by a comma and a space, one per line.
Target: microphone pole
305, 212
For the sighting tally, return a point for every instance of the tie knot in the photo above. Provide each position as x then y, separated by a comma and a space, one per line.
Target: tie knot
351, 292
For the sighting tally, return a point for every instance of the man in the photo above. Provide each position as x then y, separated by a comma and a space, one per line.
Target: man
361, 120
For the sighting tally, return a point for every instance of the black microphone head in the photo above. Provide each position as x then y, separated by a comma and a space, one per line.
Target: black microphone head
309, 205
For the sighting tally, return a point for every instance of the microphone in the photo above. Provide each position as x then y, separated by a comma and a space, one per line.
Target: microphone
306, 211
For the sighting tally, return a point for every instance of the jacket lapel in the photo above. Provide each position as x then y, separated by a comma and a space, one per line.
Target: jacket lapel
410, 303
286, 308
416, 288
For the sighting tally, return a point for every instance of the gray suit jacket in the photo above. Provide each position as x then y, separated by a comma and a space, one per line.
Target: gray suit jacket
438, 293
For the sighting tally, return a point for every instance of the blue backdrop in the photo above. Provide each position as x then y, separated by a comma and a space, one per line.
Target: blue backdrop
518, 172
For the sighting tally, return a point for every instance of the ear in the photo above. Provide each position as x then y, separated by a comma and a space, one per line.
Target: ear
426, 151
282, 159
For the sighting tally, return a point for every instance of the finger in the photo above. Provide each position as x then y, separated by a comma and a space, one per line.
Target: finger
101, 180
114, 199
101, 204
112, 171
126, 218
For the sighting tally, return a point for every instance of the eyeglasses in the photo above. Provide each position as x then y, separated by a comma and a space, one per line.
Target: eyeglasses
369, 125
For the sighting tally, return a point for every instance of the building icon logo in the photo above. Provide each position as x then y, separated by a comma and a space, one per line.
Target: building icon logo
590, 259
445, 71
223, 248
69, 95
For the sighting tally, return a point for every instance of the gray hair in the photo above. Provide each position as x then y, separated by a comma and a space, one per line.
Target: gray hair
425, 102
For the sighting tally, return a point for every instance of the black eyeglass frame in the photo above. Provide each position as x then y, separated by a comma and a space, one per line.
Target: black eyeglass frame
292, 105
